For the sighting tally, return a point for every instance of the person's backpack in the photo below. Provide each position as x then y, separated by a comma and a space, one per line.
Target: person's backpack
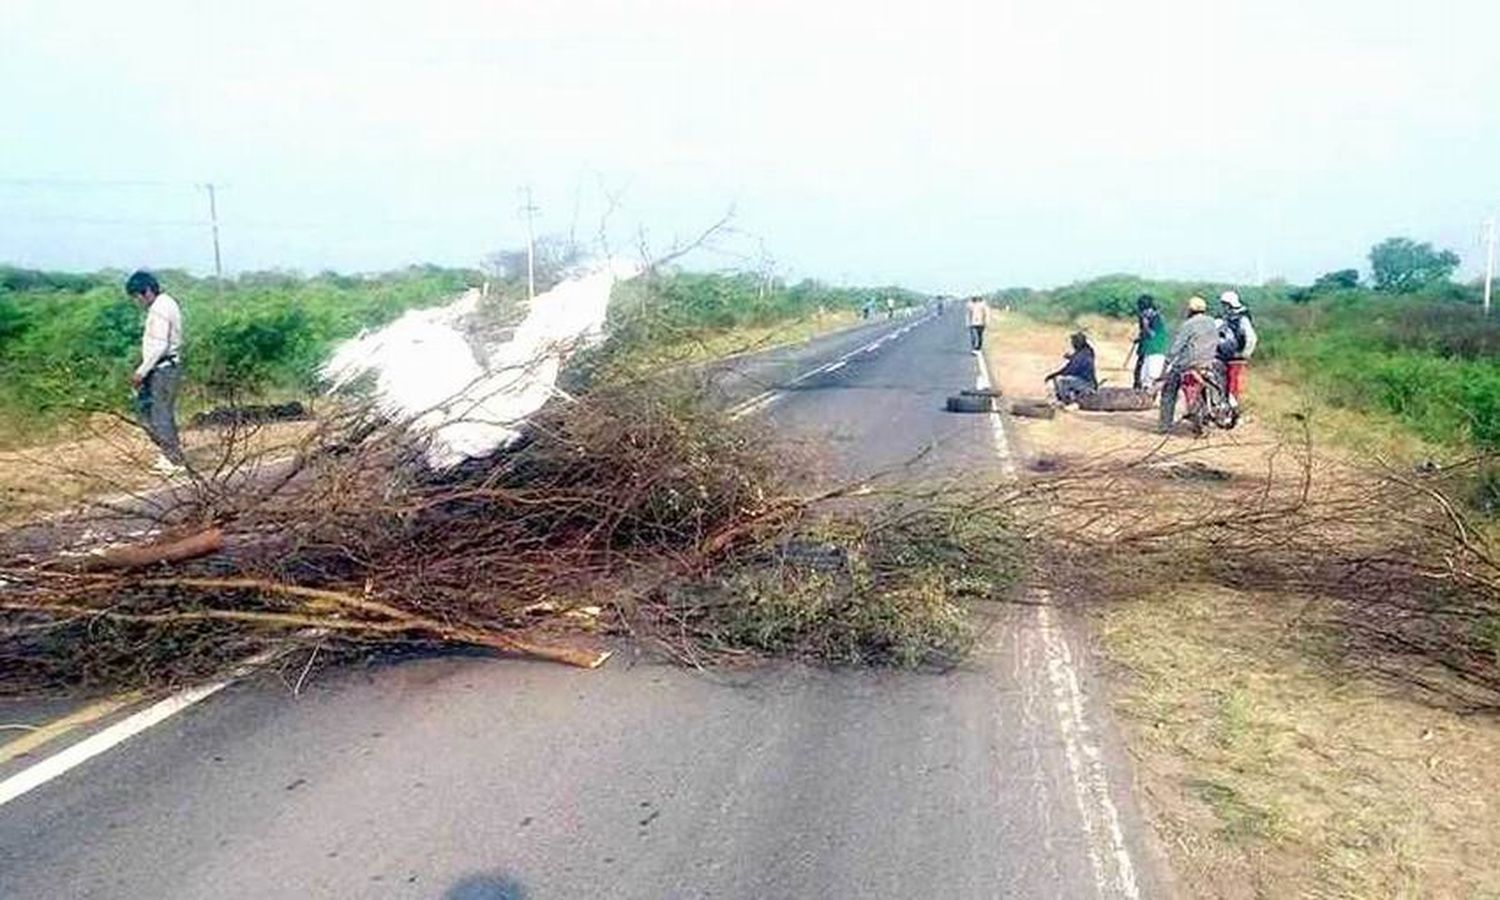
1231, 338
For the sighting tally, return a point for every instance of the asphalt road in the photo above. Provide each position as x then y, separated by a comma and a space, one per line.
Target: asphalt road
470, 777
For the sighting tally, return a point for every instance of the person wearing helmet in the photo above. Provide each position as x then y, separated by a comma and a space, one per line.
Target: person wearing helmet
1150, 342
1195, 346
1237, 340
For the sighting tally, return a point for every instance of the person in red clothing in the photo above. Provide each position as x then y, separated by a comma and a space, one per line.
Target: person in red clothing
1237, 341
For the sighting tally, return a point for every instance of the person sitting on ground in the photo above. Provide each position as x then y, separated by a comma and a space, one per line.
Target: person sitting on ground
1077, 376
1237, 342
1150, 342
1196, 346
156, 378
978, 316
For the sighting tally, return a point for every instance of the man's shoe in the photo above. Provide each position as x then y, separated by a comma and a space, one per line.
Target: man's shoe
166, 468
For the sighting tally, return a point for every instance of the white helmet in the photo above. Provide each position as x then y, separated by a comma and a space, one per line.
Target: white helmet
1231, 299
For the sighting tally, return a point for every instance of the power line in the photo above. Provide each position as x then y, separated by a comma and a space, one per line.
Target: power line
86, 183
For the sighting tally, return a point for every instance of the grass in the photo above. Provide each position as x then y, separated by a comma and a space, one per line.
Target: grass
1319, 785
884, 586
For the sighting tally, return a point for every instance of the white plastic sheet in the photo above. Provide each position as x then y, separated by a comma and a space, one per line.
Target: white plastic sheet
428, 375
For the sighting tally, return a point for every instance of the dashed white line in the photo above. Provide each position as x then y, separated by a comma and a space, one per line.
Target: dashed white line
766, 398
1109, 856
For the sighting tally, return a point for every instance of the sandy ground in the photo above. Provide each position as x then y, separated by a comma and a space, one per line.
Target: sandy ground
109, 459
1267, 772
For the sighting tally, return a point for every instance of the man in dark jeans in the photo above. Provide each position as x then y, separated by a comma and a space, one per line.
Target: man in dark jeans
977, 314
156, 378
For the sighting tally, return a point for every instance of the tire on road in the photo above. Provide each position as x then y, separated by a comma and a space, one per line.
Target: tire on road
965, 403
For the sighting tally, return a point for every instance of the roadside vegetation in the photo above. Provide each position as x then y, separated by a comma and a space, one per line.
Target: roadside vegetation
1298, 618
69, 341
1406, 343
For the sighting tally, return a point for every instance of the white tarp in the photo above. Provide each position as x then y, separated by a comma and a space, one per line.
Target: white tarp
428, 375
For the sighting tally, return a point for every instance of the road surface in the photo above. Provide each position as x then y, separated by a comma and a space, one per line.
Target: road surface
471, 777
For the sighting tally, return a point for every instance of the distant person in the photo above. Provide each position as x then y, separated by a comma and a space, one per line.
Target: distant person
1077, 376
158, 377
1150, 342
1196, 346
1237, 341
890, 308
866, 310
977, 314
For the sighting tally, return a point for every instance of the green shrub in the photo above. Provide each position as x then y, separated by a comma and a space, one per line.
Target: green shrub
69, 342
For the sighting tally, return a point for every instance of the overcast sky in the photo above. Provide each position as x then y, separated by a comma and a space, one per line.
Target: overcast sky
946, 146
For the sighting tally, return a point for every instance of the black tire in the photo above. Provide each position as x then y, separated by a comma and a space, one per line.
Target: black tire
967, 404
1116, 400
1033, 409
981, 392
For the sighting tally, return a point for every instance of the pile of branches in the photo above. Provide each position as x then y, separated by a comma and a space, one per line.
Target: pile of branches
1411, 571
629, 509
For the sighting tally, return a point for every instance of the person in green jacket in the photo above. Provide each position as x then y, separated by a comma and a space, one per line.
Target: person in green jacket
1150, 342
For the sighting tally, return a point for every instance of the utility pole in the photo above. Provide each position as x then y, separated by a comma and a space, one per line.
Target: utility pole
1489, 260
213, 218
530, 210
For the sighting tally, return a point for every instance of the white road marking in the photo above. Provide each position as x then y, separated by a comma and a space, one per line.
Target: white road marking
40, 773
767, 398
1114, 872
1109, 857
983, 382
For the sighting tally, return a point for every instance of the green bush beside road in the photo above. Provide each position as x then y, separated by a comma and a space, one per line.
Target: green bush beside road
68, 342
1429, 357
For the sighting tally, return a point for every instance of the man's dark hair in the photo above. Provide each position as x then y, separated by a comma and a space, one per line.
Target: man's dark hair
140, 282
1145, 302
1079, 340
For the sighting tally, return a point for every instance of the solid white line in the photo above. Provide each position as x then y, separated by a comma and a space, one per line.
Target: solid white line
42, 772
997, 422
1101, 819
1103, 834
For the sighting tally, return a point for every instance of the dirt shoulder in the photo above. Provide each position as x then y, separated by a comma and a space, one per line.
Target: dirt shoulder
1267, 768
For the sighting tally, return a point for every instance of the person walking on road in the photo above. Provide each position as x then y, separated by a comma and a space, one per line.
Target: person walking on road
157, 378
1150, 342
1196, 346
978, 316
1237, 342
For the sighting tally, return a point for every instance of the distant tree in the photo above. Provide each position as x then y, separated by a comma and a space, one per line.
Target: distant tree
1401, 265
1341, 280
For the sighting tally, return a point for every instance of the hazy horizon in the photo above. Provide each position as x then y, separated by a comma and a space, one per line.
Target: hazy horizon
944, 146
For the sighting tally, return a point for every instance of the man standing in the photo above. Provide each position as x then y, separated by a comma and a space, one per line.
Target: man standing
1196, 346
978, 316
156, 378
1237, 341
1150, 342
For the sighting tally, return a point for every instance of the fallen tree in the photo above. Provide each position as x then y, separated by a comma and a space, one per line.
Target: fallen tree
631, 509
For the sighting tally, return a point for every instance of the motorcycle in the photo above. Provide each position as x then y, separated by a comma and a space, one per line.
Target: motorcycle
1208, 401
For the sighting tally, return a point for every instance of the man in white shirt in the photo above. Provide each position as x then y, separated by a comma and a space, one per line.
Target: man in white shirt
157, 377
978, 316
